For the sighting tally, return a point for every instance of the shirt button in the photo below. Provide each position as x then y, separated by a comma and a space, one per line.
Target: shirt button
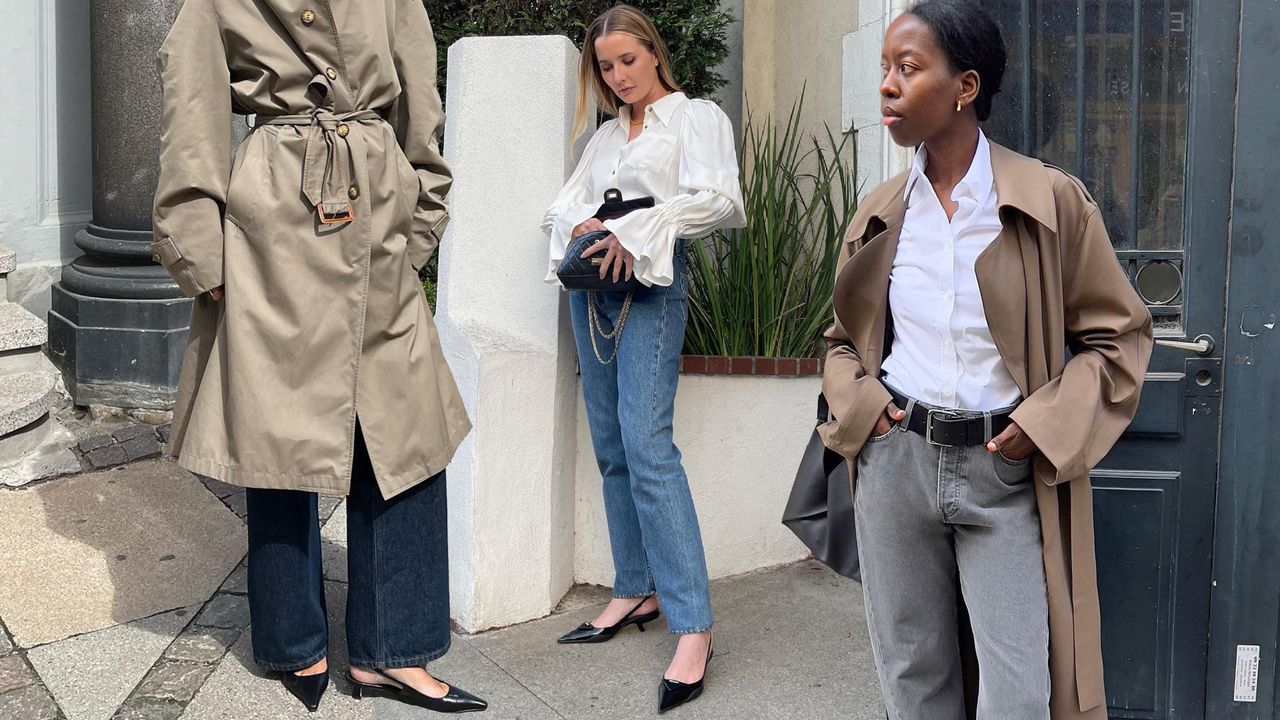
343, 130
354, 192
331, 73
308, 17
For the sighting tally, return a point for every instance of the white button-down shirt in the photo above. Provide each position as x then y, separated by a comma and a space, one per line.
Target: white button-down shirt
942, 350
685, 159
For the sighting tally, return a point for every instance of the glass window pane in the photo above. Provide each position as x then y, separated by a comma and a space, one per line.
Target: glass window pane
1162, 136
1100, 88
1108, 99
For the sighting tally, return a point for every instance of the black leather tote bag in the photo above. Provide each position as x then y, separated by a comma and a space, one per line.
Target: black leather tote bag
820, 509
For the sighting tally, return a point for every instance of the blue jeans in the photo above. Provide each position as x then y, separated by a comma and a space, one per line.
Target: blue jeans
397, 568
653, 528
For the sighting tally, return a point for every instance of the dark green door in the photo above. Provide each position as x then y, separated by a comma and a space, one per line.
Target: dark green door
1135, 97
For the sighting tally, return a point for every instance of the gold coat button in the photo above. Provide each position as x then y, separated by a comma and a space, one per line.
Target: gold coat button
354, 192
343, 130
308, 17
331, 73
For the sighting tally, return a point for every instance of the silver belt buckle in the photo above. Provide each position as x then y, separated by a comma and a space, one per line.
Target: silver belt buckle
928, 426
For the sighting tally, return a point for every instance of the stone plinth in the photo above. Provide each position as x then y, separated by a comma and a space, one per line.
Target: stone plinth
126, 357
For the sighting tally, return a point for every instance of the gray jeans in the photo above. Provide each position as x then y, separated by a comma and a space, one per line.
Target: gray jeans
930, 519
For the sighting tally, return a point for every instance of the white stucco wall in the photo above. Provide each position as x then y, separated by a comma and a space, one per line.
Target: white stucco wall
511, 483
742, 438
45, 171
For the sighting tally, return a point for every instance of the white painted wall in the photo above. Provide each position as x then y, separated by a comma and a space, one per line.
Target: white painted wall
45, 170
742, 439
505, 331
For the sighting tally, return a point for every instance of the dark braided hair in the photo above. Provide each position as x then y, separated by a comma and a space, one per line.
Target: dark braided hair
971, 40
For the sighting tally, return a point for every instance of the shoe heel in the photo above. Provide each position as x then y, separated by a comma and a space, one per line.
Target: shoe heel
357, 692
640, 626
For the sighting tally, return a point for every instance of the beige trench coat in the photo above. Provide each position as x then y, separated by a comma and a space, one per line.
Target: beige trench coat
1049, 281
322, 321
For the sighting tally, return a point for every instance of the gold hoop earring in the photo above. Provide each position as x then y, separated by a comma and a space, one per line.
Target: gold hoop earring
959, 105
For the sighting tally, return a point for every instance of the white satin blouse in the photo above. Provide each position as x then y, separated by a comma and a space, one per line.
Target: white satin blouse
685, 158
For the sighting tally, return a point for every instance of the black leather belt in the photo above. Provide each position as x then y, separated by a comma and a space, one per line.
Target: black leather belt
951, 428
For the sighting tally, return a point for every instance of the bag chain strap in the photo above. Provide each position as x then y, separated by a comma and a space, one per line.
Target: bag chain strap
593, 321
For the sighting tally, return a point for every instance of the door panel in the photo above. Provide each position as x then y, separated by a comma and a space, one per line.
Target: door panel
1128, 95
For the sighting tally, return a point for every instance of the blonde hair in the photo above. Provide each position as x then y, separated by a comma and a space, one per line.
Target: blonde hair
626, 19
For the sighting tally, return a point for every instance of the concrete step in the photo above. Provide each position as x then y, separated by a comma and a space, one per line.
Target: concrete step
19, 329
25, 398
8, 262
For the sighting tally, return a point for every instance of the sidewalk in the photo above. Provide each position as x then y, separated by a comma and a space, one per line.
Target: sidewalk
122, 596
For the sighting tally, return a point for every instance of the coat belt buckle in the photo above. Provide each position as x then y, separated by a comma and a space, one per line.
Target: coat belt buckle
928, 425
334, 213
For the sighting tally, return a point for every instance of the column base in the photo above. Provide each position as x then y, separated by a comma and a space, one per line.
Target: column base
118, 352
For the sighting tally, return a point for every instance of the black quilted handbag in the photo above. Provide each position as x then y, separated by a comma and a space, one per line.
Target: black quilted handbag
579, 273
583, 274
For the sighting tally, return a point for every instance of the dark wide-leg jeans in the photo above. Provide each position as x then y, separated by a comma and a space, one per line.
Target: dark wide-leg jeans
397, 568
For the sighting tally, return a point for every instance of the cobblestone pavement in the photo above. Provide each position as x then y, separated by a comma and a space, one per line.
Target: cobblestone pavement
124, 598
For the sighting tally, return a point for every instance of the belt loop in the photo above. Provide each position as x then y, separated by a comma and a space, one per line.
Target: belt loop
911, 406
986, 428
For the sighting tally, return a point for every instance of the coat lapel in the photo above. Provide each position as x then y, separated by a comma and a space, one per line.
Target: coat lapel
1009, 269
863, 283
1001, 271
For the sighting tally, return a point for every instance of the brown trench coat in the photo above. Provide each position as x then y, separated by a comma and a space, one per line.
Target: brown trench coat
1049, 282
321, 322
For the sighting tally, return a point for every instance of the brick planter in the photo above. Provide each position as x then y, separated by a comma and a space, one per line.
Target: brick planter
773, 367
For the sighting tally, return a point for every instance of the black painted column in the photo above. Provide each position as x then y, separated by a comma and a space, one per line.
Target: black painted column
118, 323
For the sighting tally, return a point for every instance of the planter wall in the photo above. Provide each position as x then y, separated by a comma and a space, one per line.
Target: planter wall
742, 437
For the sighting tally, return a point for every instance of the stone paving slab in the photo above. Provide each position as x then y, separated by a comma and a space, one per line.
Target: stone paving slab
90, 675
790, 643
98, 550
238, 684
202, 644
333, 536
29, 703
15, 673
335, 528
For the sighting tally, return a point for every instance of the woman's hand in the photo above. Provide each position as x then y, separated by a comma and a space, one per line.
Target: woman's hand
617, 258
890, 416
216, 293
1013, 443
589, 225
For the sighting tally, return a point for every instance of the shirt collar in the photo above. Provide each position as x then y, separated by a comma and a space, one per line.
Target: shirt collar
663, 108
978, 183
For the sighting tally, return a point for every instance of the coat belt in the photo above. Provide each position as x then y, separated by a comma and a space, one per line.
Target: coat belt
328, 166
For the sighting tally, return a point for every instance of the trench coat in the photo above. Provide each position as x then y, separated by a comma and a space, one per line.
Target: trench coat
316, 230
1049, 282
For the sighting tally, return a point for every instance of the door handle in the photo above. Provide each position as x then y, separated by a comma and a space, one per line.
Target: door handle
1202, 345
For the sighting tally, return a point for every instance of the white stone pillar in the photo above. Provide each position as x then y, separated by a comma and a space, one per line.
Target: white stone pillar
505, 332
878, 157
